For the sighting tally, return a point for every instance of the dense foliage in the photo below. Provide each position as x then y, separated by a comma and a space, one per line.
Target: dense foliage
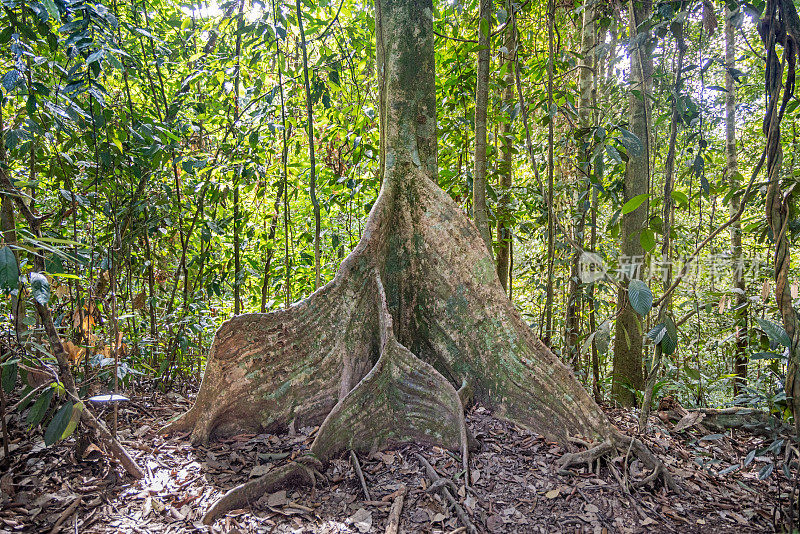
165, 146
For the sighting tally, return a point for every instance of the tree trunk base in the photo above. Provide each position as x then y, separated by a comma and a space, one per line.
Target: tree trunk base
375, 356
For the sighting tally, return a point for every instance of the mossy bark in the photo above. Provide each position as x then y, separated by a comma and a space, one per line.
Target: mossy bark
628, 374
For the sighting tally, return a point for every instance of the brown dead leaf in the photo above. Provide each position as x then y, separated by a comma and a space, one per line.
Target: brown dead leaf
688, 421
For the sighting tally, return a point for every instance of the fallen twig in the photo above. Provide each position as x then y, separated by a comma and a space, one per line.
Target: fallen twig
393, 523
66, 514
360, 473
434, 476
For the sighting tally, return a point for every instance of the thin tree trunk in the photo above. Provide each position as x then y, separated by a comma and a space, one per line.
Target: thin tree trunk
237, 261
312, 188
585, 102
627, 366
271, 246
507, 159
740, 311
548, 306
667, 216
479, 210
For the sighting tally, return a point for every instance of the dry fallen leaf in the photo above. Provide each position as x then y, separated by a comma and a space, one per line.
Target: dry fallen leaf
361, 520
553, 493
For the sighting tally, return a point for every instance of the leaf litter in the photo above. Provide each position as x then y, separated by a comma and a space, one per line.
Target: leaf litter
517, 486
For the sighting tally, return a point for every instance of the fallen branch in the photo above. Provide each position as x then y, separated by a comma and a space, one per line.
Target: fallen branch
360, 474
66, 514
393, 523
434, 476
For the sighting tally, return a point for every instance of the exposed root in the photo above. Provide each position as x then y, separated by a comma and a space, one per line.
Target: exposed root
619, 442
586, 457
294, 473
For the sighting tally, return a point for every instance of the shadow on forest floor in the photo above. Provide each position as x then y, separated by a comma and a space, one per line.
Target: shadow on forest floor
518, 488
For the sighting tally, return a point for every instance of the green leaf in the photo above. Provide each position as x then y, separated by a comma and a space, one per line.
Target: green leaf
39, 408
53, 264
58, 424
9, 372
73, 420
640, 296
692, 373
9, 270
648, 240
774, 331
765, 356
40, 288
634, 203
631, 142
670, 340
657, 333
52, 10
680, 198
766, 471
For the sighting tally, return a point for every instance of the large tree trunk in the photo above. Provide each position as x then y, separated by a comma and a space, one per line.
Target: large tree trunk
627, 366
415, 311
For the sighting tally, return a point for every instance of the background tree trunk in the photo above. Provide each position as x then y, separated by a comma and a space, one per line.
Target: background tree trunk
731, 171
586, 77
627, 366
479, 210
504, 236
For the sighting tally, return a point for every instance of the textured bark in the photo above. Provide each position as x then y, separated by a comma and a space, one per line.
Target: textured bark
479, 210
627, 366
585, 102
416, 309
740, 313
507, 158
781, 26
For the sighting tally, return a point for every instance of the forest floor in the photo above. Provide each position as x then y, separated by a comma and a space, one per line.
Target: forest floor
519, 488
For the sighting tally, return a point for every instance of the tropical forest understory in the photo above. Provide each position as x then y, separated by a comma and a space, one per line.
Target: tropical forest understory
401, 267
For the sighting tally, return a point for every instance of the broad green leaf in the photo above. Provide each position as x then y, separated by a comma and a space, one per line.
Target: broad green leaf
9, 371
58, 424
53, 264
670, 340
40, 288
648, 240
39, 408
766, 471
52, 10
634, 203
680, 198
657, 333
692, 373
631, 142
774, 331
9, 270
74, 419
640, 296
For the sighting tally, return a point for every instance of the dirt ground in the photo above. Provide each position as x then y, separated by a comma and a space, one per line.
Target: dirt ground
75, 486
